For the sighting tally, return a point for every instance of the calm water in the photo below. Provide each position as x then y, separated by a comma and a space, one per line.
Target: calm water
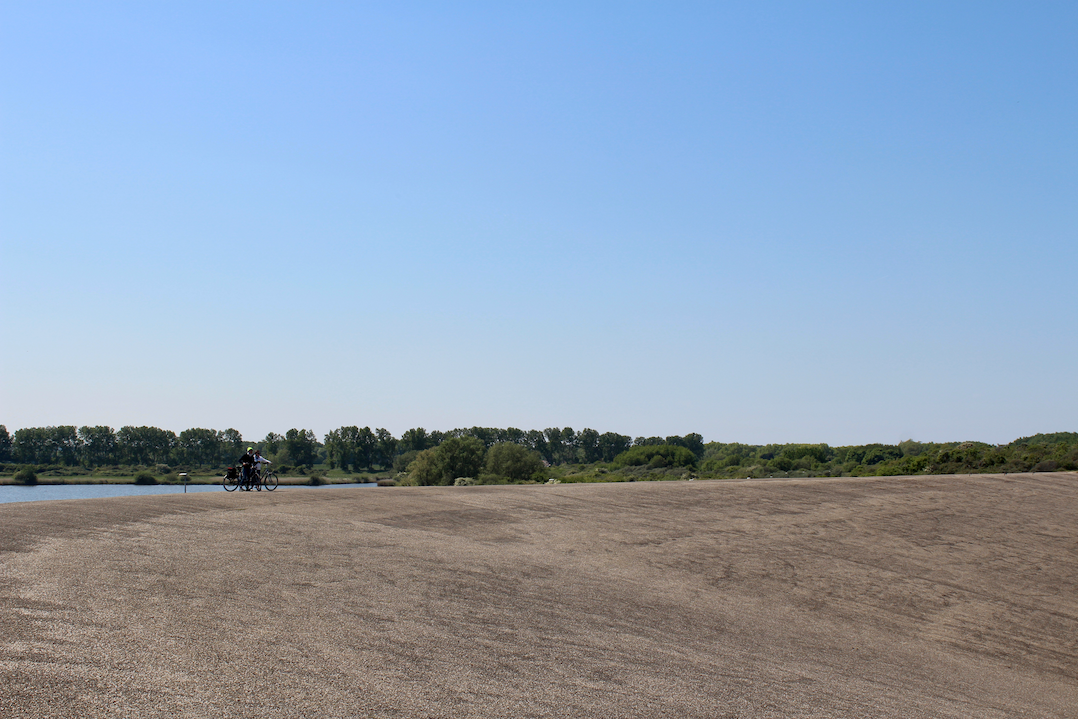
40, 493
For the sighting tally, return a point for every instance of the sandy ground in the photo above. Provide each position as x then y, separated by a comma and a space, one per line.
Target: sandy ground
893, 597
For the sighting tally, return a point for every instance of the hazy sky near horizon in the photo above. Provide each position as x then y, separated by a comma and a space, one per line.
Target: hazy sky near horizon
762, 222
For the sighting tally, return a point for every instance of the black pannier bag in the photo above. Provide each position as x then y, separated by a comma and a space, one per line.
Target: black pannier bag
232, 473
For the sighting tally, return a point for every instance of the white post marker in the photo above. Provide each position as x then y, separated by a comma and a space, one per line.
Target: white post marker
183, 478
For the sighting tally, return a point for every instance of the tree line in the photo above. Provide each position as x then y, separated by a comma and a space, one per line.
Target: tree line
436, 457
350, 448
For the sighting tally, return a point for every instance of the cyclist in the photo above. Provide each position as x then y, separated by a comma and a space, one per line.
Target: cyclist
259, 463
247, 462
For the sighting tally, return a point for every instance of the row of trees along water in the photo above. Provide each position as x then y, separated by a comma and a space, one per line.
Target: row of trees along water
349, 448
437, 457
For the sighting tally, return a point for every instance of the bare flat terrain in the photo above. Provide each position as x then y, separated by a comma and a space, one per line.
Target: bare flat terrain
889, 597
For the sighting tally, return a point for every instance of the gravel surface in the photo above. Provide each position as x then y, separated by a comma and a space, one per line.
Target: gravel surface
882, 597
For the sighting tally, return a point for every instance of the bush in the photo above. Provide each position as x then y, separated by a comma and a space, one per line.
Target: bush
26, 475
781, 464
315, 480
515, 463
401, 461
145, 478
407, 480
671, 454
455, 457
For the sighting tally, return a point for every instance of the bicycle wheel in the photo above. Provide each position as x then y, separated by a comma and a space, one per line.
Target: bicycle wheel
270, 481
231, 484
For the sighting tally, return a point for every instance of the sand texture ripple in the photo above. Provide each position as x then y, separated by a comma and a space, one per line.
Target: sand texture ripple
878, 597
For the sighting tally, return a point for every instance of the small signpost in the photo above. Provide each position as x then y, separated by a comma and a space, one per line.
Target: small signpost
183, 478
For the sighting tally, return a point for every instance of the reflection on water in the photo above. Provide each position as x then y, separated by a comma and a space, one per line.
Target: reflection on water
42, 492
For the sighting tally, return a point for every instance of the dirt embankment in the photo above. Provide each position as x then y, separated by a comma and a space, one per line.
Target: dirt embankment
923, 597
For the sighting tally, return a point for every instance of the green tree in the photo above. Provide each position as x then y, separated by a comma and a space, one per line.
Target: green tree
489, 436
301, 446
30, 445
461, 457
198, 446
694, 443
47, 445
671, 455
415, 440
612, 444
587, 446
98, 446
232, 446
386, 447
366, 444
536, 441
561, 445
514, 462
272, 443
341, 447
424, 469
145, 445
551, 444
5, 444
65, 442
455, 457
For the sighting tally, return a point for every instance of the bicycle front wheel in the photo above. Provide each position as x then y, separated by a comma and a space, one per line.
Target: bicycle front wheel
269, 482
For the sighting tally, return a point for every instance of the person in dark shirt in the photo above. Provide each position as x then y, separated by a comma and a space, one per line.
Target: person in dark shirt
246, 462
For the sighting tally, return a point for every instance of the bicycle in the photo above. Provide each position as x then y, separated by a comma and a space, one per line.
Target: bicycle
256, 480
267, 481
231, 480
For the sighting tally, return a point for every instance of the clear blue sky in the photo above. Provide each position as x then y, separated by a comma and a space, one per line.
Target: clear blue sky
762, 222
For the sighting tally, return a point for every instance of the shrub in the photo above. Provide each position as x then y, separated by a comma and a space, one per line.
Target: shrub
407, 480
515, 463
26, 475
424, 470
145, 478
782, 464
401, 461
455, 457
643, 454
315, 480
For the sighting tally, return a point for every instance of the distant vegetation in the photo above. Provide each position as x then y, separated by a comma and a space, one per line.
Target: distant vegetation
484, 455
1041, 453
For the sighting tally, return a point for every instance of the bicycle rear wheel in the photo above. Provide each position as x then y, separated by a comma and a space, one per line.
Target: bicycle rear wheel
231, 484
269, 482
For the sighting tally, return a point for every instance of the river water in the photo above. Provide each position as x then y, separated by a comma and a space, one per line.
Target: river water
42, 492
